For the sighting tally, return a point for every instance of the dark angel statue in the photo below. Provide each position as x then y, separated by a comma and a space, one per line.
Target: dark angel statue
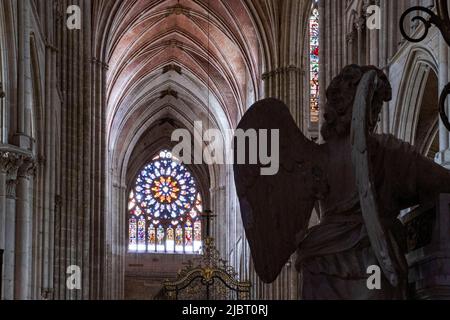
360, 181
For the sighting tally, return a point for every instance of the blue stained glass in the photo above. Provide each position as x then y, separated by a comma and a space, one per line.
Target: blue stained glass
165, 194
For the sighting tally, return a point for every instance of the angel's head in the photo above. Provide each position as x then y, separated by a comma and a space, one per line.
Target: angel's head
341, 95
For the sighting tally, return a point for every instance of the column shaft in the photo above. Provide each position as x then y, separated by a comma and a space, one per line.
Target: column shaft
23, 234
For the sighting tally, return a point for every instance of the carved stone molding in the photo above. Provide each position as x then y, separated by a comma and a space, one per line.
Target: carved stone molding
4, 160
178, 9
15, 163
360, 24
27, 169
11, 186
282, 70
9, 164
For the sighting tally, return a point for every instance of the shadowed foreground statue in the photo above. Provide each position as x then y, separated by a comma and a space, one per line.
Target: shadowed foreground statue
360, 180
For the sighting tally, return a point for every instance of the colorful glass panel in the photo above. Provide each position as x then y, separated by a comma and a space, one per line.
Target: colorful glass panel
132, 232
165, 196
170, 241
314, 33
197, 236
179, 239
189, 241
141, 234
151, 238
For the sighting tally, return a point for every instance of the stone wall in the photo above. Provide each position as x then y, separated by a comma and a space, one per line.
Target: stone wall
145, 273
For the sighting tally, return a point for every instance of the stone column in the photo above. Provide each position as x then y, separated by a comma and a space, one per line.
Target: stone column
123, 242
219, 223
118, 208
360, 27
59, 272
11, 162
23, 234
293, 277
443, 157
3, 114
3, 167
285, 83
383, 59
23, 127
350, 38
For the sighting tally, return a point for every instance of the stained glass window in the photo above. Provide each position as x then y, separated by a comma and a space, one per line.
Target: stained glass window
314, 63
132, 232
165, 209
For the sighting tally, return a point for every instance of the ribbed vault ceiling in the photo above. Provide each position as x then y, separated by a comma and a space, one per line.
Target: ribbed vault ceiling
188, 60
174, 51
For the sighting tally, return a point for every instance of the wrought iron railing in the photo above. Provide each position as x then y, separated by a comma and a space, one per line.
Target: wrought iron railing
441, 20
207, 277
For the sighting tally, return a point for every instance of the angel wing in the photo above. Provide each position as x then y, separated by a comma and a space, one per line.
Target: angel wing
276, 209
380, 237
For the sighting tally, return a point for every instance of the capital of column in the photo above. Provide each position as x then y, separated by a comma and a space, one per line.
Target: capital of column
9, 165
14, 163
27, 169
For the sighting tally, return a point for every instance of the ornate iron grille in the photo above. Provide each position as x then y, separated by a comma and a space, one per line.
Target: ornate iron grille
208, 277
441, 20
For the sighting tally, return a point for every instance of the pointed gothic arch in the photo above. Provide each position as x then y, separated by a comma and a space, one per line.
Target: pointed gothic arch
416, 112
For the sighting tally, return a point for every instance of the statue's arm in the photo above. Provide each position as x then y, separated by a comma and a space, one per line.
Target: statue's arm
406, 176
431, 179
